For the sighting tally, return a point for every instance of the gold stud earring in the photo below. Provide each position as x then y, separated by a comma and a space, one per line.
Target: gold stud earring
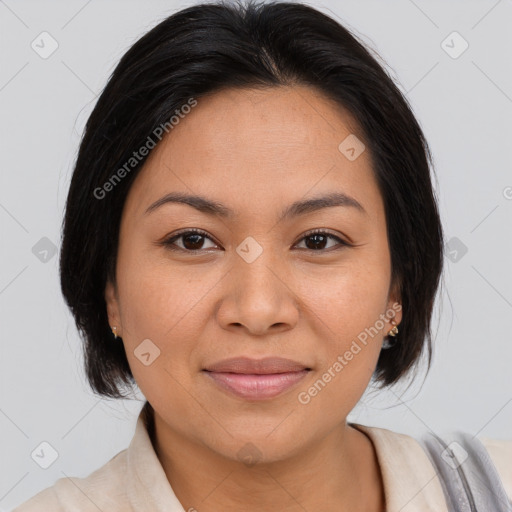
114, 331
390, 340
394, 331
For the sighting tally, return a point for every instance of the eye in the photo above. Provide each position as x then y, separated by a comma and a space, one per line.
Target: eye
193, 240
318, 240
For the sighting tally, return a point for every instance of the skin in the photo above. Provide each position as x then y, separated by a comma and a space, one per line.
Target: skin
256, 152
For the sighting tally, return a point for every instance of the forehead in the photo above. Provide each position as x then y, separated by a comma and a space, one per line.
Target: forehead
245, 146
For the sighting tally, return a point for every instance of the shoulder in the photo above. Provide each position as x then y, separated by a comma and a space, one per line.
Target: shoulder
401, 453
500, 452
104, 489
410, 481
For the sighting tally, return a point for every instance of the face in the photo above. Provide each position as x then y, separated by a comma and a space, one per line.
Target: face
254, 283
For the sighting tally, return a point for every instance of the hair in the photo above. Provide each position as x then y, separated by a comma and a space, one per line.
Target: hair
204, 49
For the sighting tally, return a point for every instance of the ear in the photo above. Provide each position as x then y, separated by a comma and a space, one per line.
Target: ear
112, 302
395, 304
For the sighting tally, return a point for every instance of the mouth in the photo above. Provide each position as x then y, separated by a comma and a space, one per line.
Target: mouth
256, 386
254, 379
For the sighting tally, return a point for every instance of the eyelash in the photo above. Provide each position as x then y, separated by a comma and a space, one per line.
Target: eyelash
169, 243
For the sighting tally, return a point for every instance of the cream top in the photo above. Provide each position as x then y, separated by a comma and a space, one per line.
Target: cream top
134, 479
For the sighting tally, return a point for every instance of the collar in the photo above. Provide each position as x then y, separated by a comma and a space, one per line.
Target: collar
410, 481
147, 484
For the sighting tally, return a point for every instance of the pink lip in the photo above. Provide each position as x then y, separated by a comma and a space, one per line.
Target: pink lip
247, 365
256, 386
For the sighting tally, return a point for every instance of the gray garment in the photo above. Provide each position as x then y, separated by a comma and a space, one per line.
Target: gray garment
468, 476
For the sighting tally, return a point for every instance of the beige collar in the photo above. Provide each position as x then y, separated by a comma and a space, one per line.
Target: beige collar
410, 481
147, 484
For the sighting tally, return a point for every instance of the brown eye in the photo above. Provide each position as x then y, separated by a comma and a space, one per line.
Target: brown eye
318, 240
192, 240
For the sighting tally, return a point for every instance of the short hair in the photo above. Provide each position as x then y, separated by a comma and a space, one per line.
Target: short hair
204, 49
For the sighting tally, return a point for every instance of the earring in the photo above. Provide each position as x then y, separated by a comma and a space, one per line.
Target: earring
391, 339
114, 331
394, 331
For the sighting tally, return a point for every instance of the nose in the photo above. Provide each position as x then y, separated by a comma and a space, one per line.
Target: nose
259, 298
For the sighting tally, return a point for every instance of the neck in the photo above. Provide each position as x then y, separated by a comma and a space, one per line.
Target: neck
337, 473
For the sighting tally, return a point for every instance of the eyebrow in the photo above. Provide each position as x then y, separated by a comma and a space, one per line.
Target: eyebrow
296, 209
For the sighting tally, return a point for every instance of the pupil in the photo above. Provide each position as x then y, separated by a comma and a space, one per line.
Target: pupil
195, 244
317, 242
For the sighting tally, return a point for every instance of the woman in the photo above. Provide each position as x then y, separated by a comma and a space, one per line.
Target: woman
251, 235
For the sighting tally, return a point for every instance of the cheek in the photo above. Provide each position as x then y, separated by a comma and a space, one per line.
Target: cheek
349, 301
157, 298
161, 325
161, 305
345, 310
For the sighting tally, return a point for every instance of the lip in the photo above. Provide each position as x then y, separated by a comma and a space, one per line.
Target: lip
265, 366
256, 386
256, 379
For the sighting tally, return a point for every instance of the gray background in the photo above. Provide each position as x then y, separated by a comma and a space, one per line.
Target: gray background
464, 105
